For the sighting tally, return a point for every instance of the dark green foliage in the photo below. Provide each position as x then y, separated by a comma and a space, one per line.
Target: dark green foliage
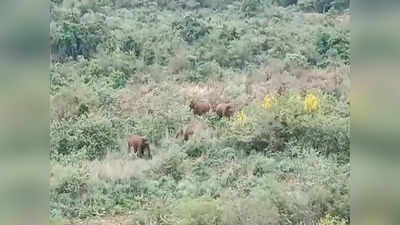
131, 46
229, 34
251, 7
286, 3
265, 135
94, 135
323, 6
119, 80
191, 28
330, 140
76, 36
334, 43
56, 1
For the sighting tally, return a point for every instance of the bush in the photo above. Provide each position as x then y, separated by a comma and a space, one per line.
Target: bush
160, 213
271, 130
322, 6
94, 135
251, 7
195, 147
67, 186
74, 194
255, 209
198, 211
77, 100
191, 29
320, 184
329, 220
337, 43
313, 129
76, 36
170, 164
260, 132
286, 3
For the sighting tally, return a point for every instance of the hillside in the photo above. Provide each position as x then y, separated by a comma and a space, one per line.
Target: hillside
127, 67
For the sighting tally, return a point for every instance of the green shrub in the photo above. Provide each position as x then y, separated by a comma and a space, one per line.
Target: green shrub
203, 72
69, 180
195, 148
260, 133
198, 211
272, 130
94, 135
263, 166
160, 213
76, 100
76, 195
131, 46
57, 78
334, 43
285, 3
320, 184
228, 34
314, 133
257, 208
67, 186
251, 7
170, 164
322, 6
313, 129
119, 80
191, 29
108, 66
293, 61
77, 36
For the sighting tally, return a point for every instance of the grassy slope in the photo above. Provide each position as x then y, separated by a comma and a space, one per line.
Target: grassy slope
144, 64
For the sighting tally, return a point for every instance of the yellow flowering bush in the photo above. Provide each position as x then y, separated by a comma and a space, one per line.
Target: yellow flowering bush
312, 103
269, 101
241, 118
330, 220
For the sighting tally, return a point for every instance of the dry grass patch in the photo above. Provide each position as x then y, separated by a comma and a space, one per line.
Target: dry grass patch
116, 169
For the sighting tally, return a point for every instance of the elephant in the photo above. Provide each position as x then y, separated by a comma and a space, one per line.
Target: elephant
195, 127
140, 144
224, 110
200, 107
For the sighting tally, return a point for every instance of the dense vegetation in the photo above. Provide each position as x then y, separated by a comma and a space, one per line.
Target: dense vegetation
123, 67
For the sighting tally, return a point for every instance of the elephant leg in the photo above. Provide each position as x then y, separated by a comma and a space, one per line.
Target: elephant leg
149, 153
141, 153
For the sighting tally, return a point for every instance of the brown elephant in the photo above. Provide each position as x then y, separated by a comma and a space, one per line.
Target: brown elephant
195, 127
200, 107
224, 110
140, 144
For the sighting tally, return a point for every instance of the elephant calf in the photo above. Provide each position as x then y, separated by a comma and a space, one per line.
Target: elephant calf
200, 107
224, 110
140, 144
195, 127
